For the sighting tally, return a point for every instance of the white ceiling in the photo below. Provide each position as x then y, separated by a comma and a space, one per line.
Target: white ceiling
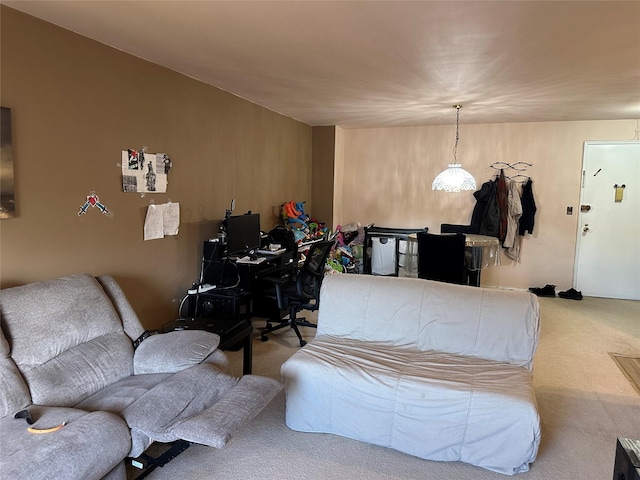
386, 63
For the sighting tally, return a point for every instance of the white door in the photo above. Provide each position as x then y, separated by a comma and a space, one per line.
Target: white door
608, 249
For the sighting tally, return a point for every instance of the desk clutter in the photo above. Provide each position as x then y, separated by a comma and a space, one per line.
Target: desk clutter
246, 272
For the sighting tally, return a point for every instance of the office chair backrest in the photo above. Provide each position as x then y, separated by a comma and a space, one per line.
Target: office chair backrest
310, 275
441, 257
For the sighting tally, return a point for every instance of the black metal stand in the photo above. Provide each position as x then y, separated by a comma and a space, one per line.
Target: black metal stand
146, 464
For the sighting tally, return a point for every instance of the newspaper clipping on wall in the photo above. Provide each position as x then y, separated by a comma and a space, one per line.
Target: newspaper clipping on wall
145, 172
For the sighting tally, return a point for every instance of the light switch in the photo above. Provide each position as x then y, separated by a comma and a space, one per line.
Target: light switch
569, 210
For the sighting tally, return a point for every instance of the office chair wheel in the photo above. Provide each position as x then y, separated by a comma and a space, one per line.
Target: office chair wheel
263, 338
302, 343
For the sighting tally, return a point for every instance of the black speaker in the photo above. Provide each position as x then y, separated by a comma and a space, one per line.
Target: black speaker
212, 251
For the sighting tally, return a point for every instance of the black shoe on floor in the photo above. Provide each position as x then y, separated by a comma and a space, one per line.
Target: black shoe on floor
546, 291
571, 294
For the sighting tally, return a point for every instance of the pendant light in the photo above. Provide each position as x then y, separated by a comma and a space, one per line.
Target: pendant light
455, 178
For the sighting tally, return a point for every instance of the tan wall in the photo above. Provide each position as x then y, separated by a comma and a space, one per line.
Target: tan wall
76, 104
322, 174
338, 173
388, 175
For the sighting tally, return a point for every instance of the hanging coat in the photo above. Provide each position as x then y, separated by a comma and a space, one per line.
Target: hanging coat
503, 205
488, 216
512, 240
528, 209
480, 209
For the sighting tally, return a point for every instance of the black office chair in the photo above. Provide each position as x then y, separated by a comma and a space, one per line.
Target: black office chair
442, 257
300, 292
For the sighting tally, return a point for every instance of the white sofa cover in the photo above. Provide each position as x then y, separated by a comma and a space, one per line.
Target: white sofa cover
435, 370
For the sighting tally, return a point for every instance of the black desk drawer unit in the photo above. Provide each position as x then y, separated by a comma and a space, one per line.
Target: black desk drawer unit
387, 241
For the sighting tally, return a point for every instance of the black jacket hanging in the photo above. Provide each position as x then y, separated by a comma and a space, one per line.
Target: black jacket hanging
528, 209
503, 208
485, 219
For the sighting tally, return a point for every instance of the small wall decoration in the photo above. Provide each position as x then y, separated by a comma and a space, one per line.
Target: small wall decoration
144, 172
619, 192
7, 196
94, 202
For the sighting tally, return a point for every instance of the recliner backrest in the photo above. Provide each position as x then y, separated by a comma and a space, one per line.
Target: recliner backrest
81, 344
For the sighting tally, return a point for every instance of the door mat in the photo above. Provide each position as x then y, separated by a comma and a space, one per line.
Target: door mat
630, 367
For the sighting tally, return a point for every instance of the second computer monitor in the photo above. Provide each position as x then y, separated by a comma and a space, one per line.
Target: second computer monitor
243, 233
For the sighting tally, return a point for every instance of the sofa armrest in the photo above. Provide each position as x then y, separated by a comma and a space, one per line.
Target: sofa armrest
173, 351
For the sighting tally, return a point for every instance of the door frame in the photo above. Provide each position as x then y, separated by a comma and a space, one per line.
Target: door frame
582, 191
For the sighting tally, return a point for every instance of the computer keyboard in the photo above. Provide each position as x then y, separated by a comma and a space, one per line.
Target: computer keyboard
205, 287
272, 252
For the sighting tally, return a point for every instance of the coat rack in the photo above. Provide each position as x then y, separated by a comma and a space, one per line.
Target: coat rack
517, 166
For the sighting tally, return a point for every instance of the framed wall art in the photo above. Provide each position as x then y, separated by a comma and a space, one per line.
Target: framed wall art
7, 197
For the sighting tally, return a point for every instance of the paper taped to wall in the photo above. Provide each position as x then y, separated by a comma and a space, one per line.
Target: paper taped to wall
161, 220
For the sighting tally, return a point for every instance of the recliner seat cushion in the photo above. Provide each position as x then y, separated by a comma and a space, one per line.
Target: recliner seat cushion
87, 447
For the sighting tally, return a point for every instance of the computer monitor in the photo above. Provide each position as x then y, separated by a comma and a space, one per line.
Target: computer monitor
243, 233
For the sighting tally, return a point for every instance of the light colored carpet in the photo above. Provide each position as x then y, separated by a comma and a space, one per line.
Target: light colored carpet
585, 403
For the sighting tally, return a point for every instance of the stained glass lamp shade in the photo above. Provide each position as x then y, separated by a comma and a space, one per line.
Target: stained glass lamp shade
455, 178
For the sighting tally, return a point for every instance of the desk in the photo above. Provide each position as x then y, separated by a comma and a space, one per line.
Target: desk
483, 252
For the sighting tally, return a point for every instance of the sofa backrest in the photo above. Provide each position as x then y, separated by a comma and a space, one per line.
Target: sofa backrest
14, 393
494, 324
65, 337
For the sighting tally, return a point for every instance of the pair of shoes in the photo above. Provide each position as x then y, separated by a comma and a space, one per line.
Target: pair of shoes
546, 291
571, 294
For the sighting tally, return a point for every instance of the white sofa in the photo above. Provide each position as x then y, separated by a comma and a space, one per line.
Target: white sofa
435, 370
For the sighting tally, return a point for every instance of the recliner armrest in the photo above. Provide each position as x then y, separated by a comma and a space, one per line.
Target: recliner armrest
173, 351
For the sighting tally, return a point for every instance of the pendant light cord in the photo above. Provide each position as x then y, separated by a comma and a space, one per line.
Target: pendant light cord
455, 146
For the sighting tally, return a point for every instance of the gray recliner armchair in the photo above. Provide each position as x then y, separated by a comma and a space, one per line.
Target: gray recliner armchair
67, 356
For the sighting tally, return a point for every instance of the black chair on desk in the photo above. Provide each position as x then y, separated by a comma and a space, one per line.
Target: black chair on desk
299, 292
473, 255
442, 257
